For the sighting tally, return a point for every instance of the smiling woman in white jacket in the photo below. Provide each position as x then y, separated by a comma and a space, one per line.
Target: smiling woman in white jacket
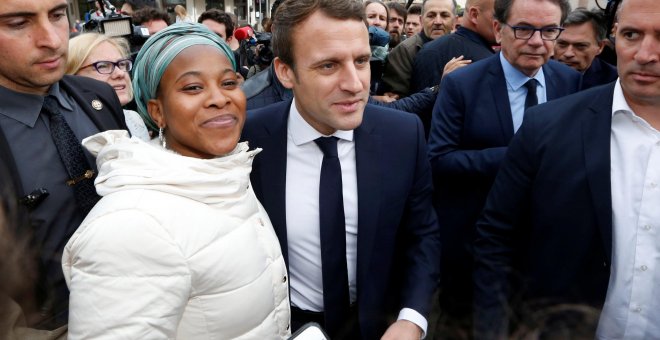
178, 246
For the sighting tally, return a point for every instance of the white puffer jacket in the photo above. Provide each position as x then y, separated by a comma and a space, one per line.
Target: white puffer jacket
178, 247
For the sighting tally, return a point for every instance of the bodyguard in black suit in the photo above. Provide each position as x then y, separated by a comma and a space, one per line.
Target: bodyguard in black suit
36, 102
573, 214
383, 227
472, 40
598, 73
478, 110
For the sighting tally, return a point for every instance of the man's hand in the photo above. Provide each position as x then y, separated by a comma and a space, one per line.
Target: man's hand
392, 95
384, 98
403, 329
454, 64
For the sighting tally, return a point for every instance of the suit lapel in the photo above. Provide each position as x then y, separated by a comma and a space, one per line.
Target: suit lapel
596, 129
103, 118
497, 82
367, 150
551, 86
272, 174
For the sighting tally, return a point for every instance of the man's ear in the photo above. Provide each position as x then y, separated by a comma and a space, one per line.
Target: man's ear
156, 113
229, 39
601, 46
284, 73
472, 15
497, 29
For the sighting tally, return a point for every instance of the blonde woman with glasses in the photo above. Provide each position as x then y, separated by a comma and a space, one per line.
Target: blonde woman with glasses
107, 59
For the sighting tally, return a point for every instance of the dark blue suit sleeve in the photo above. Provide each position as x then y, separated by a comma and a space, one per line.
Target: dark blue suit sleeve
506, 207
450, 152
426, 70
421, 226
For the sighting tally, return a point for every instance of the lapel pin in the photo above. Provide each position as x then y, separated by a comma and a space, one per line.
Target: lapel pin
97, 105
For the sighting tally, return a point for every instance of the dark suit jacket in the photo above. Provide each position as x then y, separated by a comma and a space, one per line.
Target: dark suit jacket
546, 229
398, 243
471, 129
430, 61
83, 90
599, 73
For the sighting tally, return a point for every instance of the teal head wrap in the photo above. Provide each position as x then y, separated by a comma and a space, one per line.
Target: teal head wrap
159, 51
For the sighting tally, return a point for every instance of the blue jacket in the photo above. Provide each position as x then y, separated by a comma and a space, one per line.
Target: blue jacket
546, 229
398, 244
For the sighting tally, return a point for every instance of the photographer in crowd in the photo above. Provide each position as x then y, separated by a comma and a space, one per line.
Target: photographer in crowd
151, 18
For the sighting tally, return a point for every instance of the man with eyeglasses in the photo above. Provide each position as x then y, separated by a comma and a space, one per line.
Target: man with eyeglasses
478, 110
43, 117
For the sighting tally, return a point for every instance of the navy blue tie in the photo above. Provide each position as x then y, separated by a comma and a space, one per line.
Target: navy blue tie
531, 98
336, 300
81, 175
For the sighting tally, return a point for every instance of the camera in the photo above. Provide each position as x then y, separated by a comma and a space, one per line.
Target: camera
117, 25
263, 53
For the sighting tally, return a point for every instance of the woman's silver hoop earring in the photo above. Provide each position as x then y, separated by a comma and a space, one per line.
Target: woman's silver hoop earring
161, 137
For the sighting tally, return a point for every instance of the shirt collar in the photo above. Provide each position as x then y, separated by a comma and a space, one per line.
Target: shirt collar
301, 132
425, 38
474, 36
57, 92
619, 103
24, 107
515, 79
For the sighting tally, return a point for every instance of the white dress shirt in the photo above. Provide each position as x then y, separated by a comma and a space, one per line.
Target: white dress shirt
515, 81
632, 305
303, 175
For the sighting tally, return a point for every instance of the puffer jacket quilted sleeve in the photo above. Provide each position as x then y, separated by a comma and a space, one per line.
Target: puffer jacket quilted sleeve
177, 248
130, 279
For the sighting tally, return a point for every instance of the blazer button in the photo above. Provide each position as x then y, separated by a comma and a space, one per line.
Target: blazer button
284, 279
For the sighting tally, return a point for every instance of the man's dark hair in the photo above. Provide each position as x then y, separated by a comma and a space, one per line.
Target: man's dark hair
415, 9
582, 15
274, 7
131, 3
503, 9
234, 18
148, 14
219, 17
292, 13
398, 8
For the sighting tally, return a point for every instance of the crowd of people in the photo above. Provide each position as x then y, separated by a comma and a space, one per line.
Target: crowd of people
384, 171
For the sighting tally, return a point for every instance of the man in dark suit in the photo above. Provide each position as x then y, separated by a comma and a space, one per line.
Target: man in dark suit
472, 40
476, 114
386, 230
582, 40
399, 63
36, 101
572, 217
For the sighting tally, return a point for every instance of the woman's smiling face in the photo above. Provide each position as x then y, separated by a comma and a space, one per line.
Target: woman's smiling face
199, 103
